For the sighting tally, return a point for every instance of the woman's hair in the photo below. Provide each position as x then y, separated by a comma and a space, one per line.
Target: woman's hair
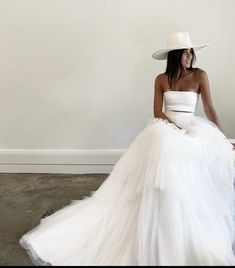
174, 66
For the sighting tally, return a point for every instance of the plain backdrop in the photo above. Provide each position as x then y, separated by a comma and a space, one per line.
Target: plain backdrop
78, 74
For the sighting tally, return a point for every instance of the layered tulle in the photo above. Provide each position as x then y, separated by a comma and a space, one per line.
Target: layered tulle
169, 200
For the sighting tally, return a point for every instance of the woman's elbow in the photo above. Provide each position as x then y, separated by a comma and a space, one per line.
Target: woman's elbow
157, 113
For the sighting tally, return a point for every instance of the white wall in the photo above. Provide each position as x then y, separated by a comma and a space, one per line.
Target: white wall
78, 74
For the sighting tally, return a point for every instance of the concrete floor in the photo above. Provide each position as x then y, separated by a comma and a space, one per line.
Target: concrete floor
26, 198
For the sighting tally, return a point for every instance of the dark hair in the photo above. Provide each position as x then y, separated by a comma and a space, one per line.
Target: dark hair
174, 66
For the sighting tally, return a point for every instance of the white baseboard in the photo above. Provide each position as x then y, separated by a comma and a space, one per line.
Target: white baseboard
60, 161
57, 169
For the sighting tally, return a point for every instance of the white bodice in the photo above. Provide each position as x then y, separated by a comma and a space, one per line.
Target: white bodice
180, 101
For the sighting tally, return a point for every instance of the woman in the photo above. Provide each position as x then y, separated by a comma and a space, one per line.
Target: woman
169, 198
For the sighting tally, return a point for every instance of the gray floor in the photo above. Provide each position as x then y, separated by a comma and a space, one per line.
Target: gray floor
25, 198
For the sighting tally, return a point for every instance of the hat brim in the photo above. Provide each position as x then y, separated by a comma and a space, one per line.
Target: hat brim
162, 53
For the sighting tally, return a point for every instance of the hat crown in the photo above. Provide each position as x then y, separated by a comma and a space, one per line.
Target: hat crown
179, 39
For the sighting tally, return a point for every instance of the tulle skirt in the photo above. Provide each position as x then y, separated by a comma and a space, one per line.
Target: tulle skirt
169, 200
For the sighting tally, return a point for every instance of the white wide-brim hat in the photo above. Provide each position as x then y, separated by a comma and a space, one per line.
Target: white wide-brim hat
176, 41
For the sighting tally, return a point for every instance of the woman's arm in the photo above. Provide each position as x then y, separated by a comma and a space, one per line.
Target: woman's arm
158, 101
207, 100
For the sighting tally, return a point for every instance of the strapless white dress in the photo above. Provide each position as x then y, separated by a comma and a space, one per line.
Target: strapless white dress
169, 200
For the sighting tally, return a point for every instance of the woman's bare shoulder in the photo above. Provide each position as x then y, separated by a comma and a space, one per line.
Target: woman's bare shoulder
160, 81
199, 72
161, 77
199, 75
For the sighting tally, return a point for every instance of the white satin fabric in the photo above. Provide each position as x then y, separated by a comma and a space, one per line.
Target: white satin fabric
180, 100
